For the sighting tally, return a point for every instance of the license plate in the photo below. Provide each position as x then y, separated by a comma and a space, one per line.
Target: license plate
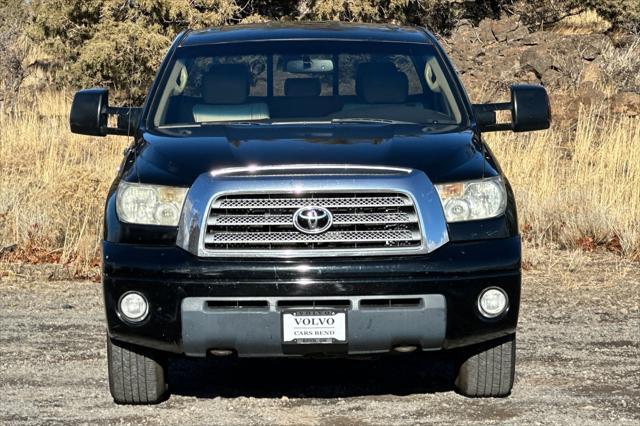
314, 326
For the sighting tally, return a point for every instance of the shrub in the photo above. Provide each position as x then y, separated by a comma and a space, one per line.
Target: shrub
119, 43
13, 15
115, 43
624, 15
621, 67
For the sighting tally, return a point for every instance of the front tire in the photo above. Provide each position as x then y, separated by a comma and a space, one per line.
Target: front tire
489, 370
136, 375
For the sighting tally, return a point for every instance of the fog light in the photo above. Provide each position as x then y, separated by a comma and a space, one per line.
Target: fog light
133, 306
493, 302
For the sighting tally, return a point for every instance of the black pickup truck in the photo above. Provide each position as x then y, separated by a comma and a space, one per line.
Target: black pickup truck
309, 189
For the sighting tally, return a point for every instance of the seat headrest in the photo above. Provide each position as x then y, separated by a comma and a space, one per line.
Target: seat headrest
381, 83
302, 87
226, 84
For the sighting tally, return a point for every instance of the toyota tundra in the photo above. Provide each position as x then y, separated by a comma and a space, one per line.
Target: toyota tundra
309, 190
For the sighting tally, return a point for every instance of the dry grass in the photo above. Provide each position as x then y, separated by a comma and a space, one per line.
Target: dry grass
53, 185
621, 67
588, 22
579, 192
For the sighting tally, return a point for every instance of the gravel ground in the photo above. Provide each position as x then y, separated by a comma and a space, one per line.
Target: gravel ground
578, 363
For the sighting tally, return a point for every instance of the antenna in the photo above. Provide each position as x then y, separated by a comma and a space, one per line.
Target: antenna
131, 5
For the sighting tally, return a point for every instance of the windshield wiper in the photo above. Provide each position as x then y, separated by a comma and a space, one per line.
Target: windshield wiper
246, 123
178, 125
367, 120
235, 123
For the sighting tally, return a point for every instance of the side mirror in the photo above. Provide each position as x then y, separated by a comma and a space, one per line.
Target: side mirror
529, 106
90, 113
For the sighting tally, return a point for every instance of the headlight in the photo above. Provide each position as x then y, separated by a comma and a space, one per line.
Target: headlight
473, 200
149, 204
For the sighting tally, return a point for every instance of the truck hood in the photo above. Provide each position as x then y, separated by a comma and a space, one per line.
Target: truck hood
177, 157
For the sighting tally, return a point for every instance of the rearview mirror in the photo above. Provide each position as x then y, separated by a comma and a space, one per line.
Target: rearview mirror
529, 106
90, 113
309, 65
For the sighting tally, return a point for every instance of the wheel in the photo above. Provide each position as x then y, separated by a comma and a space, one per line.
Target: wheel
136, 375
489, 370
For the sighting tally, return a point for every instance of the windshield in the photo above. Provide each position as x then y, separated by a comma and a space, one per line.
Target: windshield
295, 82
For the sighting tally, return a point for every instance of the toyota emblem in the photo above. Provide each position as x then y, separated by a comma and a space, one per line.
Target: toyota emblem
312, 220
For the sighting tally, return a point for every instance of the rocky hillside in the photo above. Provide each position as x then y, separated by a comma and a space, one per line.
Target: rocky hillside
587, 69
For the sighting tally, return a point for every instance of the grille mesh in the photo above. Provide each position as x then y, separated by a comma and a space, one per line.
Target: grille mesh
299, 237
361, 221
244, 203
287, 219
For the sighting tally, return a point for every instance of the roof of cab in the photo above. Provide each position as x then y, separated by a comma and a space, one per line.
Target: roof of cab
331, 30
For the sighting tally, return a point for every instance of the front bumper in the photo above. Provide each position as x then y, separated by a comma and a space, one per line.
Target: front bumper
375, 324
178, 284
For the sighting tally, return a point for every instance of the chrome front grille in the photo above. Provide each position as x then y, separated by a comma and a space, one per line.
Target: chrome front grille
267, 211
245, 222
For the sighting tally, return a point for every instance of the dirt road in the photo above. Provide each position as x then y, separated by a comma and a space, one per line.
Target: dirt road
578, 363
